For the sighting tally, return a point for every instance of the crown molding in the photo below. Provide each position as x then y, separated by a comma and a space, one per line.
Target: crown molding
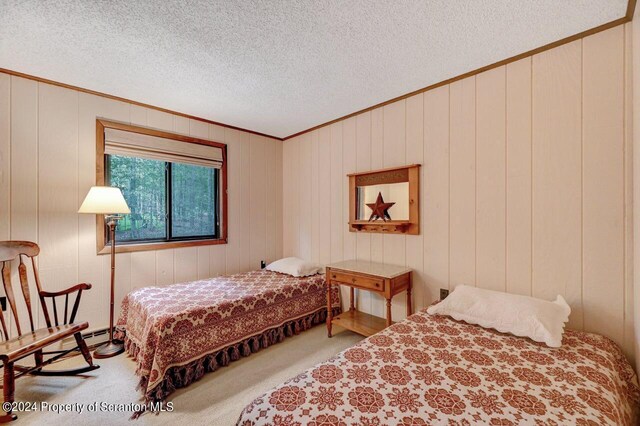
118, 98
631, 6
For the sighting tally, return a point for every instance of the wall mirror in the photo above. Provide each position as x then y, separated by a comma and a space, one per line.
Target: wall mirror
398, 193
385, 200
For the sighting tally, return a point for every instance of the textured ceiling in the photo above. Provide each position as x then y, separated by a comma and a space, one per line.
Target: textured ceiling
277, 66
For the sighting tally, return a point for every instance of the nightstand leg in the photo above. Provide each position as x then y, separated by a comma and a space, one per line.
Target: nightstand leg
329, 309
388, 312
352, 306
409, 309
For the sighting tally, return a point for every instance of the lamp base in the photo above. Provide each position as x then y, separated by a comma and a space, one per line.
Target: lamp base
108, 350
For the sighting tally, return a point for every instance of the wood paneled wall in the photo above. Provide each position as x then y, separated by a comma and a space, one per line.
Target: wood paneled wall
47, 164
525, 184
632, 165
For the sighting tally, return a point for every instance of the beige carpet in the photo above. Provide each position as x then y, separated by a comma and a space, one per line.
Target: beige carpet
217, 399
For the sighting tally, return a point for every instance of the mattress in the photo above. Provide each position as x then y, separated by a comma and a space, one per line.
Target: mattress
433, 370
177, 333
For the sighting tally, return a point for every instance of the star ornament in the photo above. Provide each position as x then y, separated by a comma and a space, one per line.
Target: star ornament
380, 209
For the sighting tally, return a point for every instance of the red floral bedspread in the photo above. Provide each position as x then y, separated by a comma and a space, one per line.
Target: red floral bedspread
433, 370
202, 324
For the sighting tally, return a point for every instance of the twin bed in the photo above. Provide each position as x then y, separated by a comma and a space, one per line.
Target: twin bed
433, 370
176, 334
427, 369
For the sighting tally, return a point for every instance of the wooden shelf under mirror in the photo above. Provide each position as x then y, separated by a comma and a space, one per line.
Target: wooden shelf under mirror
385, 201
388, 226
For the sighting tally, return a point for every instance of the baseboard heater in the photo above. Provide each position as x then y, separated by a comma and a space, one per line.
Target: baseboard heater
92, 338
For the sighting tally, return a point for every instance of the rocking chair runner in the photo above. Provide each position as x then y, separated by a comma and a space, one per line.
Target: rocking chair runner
33, 342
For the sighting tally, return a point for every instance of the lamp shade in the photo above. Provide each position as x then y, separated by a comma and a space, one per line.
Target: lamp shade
104, 200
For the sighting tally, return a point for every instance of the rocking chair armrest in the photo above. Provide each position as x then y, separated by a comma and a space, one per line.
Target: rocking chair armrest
77, 287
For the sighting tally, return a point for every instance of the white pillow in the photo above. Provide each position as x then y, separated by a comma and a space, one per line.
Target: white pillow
537, 319
294, 266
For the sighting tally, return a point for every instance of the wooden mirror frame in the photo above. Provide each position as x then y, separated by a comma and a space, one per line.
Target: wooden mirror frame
409, 174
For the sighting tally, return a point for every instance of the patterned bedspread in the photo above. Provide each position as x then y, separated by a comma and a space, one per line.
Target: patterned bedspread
433, 370
177, 333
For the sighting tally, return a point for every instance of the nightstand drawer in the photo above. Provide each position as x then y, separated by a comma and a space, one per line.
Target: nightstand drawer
376, 284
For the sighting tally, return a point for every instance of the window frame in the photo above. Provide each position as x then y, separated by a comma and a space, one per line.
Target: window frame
103, 247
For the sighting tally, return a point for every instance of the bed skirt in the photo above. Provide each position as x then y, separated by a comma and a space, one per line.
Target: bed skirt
183, 375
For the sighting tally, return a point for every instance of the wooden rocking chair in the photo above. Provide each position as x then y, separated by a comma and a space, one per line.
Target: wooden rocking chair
33, 342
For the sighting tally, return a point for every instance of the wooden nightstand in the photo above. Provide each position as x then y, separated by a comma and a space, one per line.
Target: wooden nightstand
386, 280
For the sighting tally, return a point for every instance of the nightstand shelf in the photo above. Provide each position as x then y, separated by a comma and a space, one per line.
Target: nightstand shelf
385, 280
360, 322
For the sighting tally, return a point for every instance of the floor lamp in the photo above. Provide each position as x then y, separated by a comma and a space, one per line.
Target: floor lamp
108, 201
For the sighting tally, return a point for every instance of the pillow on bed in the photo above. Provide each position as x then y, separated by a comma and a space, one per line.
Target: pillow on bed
537, 319
294, 266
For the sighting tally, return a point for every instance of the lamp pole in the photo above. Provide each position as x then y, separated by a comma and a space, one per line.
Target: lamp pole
111, 348
107, 201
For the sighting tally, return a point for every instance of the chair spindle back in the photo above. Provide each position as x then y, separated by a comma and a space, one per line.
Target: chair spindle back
21, 250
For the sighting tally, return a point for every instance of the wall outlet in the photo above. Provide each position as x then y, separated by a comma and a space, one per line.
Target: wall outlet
443, 293
263, 264
3, 303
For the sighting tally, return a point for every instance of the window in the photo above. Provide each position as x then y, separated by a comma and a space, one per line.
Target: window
168, 201
143, 185
174, 185
193, 201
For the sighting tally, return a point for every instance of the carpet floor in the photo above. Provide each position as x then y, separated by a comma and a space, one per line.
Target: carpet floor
217, 399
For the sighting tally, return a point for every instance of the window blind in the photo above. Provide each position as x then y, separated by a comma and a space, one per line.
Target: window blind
130, 144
